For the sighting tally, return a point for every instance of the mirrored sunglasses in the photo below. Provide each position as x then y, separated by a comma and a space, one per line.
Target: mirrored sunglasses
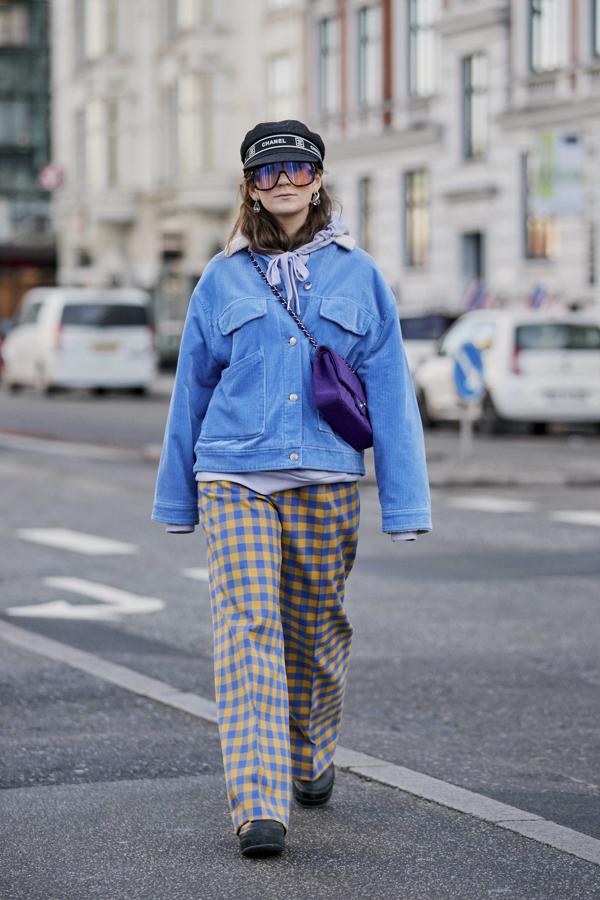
299, 173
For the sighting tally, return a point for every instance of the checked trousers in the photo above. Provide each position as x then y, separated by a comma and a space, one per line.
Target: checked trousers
277, 570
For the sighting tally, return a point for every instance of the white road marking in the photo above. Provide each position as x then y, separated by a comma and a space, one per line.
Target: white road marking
577, 517
200, 574
66, 448
409, 781
492, 504
117, 602
77, 541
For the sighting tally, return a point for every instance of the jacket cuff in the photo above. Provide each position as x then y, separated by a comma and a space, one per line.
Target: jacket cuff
170, 514
396, 520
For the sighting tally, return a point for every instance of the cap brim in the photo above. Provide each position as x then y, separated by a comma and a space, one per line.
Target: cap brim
286, 154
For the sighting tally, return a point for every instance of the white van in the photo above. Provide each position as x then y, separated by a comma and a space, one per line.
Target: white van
539, 367
81, 337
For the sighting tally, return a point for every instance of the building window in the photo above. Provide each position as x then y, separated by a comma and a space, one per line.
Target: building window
95, 30
181, 15
365, 212
193, 122
172, 138
112, 26
475, 105
329, 65
370, 75
15, 122
592, 254
279, 87
210, 109
95, 137
211, 11
540, 232
112, 143
80, 148
417, 225
547, 37
421, 47
14, 25
596, 28
187, 123
79, 31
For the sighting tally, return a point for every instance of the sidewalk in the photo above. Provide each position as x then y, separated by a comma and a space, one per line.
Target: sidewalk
504, 462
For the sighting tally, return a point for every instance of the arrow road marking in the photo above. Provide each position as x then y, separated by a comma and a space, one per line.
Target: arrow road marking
117, 602
492, 504
577, 517
199, 574
76, 541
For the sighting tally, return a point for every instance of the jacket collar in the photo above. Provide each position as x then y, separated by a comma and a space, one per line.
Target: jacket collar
239, 242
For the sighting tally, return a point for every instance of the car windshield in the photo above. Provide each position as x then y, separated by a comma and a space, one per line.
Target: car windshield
557, 336
424, 328
104, 314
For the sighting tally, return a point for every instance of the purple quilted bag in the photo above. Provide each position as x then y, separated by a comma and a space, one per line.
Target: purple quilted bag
338, 392
340, 397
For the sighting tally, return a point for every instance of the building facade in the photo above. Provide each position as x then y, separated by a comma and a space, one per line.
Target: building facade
27, 251
462, 137
149, 116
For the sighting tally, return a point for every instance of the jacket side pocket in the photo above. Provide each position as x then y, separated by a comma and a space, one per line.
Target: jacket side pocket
237, 406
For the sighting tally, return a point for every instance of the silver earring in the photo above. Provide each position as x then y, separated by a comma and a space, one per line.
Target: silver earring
256, 206
316, 198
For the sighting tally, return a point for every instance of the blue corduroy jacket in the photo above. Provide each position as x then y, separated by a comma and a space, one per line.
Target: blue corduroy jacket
242, 397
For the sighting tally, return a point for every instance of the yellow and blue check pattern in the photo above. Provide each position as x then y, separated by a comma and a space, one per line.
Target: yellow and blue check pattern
277, 571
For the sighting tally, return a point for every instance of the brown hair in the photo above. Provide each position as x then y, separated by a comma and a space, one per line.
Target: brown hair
264, 232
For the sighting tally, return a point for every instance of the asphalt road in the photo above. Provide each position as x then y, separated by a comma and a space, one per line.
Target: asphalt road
474, 661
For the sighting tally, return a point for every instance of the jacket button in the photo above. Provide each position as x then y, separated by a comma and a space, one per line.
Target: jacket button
307, 285
292, 341
293, 457
293, 396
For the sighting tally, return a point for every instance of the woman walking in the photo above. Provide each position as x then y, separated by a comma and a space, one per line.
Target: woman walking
248, 454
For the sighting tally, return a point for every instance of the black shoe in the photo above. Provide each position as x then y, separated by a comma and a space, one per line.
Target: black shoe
315, 793
262, 837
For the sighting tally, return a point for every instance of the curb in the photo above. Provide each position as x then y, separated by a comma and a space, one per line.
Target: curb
443, 472
454, 474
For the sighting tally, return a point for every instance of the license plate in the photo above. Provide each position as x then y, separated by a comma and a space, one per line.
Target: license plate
565, 395
103, 346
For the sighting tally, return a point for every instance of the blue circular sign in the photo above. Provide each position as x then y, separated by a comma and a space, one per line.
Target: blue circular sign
468, 373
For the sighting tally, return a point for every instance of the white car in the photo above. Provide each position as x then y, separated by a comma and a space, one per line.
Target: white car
422, 330
539, 367
81, 338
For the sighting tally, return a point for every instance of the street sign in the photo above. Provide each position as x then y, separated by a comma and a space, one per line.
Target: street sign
50, 177
557, 174
470, 387
468, 373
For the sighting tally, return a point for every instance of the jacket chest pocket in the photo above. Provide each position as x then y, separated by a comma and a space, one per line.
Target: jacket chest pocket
239, 318
343, 325
237, 406
352, 320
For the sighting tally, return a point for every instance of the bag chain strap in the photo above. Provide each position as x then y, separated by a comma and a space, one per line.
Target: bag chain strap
282, 300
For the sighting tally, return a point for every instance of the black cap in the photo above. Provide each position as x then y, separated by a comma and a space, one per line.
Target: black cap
277, 141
